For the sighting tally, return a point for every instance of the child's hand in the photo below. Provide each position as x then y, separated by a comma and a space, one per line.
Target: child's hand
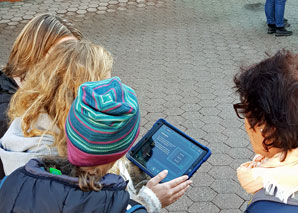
171, 191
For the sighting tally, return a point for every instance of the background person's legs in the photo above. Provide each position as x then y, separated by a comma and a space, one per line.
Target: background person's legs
270, 16
279, 12
279, 19
270, 11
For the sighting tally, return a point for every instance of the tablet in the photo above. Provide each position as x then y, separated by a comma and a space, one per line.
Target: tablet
166, 147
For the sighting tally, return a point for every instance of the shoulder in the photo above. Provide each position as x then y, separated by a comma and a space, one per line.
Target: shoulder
7, 84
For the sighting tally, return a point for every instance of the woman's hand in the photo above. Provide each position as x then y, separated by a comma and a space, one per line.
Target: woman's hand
170, 191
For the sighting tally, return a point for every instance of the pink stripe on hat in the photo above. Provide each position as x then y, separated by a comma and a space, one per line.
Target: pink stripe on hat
80, 158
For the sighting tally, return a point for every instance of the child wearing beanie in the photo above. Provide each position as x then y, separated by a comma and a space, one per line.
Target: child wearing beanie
101, 126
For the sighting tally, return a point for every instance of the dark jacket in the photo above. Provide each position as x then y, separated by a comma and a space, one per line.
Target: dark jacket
8, 87
32, 189
264, 203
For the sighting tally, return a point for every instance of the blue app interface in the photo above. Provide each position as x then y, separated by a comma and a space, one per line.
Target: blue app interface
167, 149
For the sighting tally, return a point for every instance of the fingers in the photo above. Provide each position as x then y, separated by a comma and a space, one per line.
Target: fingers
181, 186
155, 180
176, 181
180, 193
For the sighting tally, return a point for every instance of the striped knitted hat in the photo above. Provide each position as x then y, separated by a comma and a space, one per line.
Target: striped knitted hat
102, 124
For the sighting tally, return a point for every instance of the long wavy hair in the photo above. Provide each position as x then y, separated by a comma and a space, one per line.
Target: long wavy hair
52, 86
34, 42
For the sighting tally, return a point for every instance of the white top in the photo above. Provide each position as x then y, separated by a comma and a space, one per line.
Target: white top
16, 149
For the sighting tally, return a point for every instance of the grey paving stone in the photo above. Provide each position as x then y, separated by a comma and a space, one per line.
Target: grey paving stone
12, 23
203, 207
164, 210
230, 211
170, 104
191, 107
182, 204
213, 128
240, 153
234, 132
231, 123
237, 142
207, 96
222, 172
175, 120
4, 21
211, 119
215, 137
209, 111
195, 133
92, 9
201, 178
81, 11
228, 201
226, 186
244, 206
192, 115
218, 147
238, 161
201, 193
72, 9
219, 159
205, 167
152, 116
208, 103
174, 111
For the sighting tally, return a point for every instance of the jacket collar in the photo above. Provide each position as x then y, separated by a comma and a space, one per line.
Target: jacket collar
108, 182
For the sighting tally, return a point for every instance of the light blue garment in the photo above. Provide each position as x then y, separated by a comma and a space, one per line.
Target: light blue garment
16, 149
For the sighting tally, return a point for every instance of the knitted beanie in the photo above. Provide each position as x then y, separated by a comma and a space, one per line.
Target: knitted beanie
102, 124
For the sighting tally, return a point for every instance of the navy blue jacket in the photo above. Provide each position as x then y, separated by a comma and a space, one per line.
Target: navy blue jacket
263, 203
32, 189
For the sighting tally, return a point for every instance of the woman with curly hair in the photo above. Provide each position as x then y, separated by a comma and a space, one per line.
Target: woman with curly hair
269, 106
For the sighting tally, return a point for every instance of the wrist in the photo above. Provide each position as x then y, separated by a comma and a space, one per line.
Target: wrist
149, 199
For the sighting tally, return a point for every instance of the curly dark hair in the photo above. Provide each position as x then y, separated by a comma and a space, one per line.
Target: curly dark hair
269, 91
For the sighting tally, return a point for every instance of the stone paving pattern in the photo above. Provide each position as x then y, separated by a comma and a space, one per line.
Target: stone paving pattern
180, 57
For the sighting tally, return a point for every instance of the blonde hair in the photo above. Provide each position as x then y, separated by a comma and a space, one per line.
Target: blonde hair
53, 83
35, 40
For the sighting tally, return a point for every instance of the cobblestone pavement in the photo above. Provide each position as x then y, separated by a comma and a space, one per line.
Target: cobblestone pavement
180, 57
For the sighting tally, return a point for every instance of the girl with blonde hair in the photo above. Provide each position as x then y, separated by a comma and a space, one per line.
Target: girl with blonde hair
32, 44
39, 108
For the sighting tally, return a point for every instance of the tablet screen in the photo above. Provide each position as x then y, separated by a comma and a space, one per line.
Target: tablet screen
167, 149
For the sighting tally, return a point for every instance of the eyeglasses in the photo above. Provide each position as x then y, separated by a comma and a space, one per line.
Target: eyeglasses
240, 110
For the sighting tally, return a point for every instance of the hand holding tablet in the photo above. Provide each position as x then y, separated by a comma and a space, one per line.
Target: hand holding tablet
165, 147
